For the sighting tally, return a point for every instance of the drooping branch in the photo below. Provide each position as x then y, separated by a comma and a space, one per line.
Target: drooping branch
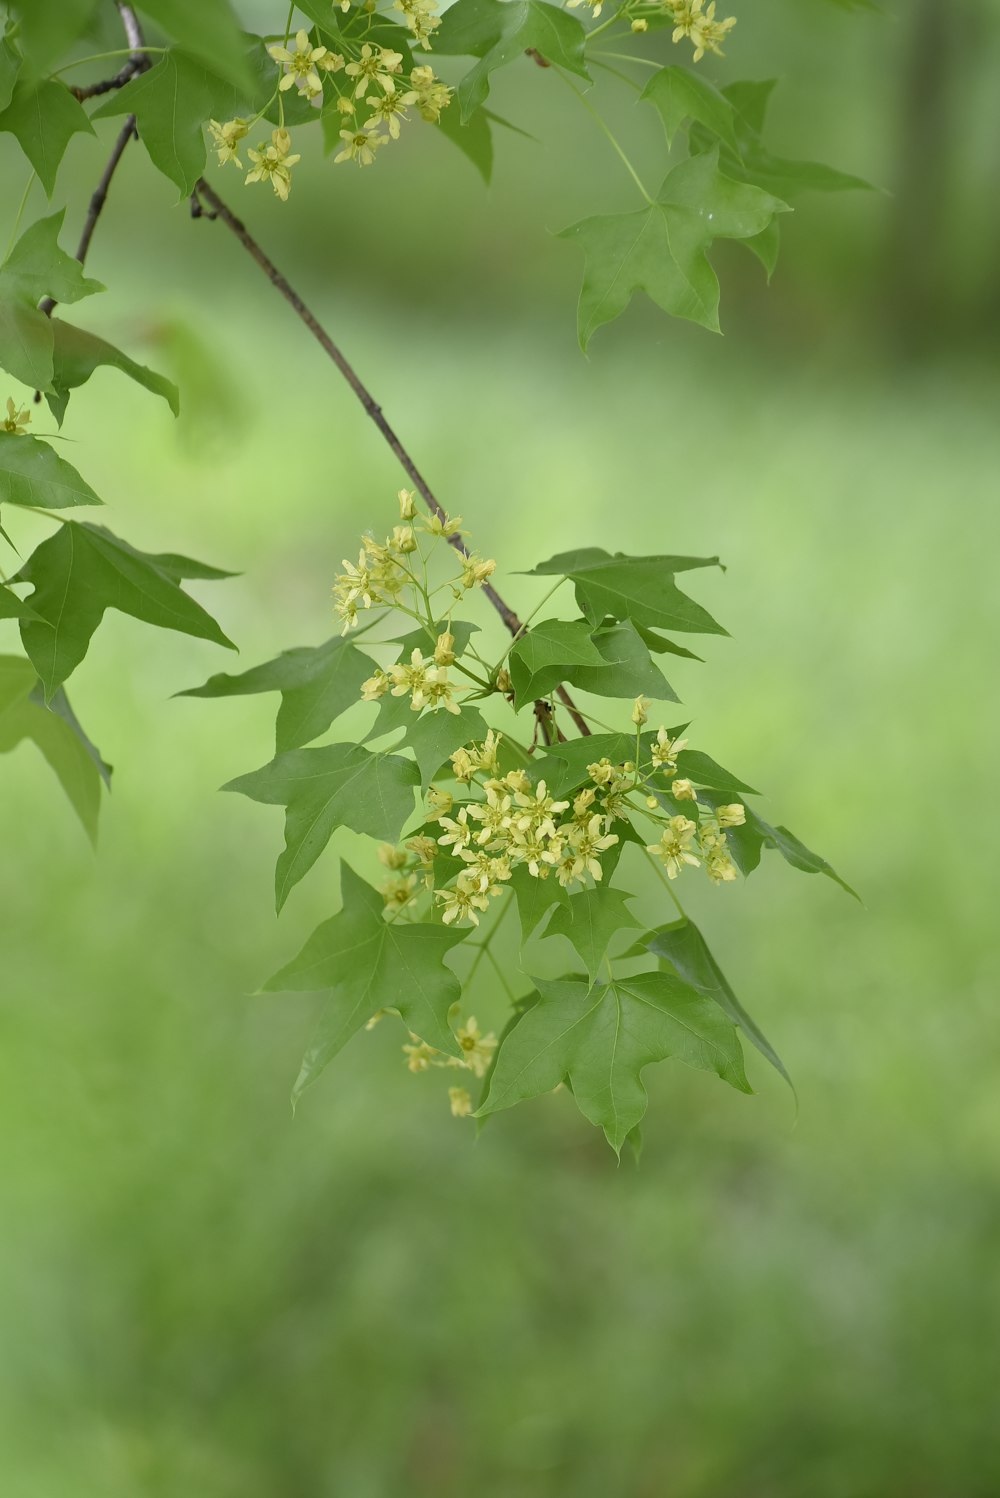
204, 194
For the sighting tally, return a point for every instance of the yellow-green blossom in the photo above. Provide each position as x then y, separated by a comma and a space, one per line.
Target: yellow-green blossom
692, 20
682, 790
226, 139
389, 109
300, 65
361, 145
460, 1101
16, 420
375, 65
674, 847
432, 94
273, 163
477, 1048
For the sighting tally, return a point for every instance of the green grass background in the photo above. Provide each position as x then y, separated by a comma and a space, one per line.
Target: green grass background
199, 1294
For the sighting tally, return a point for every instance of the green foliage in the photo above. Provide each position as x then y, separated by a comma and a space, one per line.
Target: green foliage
44, 117
337, 785
57, 734
83, 570
590, 920
474, 815
500, 32
317, 683
599, 1039
641, 589
661, 248
370, 964
32, 473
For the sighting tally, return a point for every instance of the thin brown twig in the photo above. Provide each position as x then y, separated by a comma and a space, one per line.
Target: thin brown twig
368, 401
137, 63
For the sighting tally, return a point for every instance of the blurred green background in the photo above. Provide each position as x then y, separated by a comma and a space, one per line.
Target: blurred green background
199, 1294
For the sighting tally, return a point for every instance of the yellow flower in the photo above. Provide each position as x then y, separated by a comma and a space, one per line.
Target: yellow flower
388, 109
734, 815
682, 790
700, 26
226, 138
419, 1055
444, 649
475, 570
640, 711
640, 25
493, 815
300, 65
596, 5
375, 687
539, 810
406, 505
361, 146
588, 843
463, 766
459, 833
391, 857
477, 1048
440, 803
375, 65
503, 681
15, 421
331, 63
397, 893
442, 525
423, 849
463, 901
674, 847
461, 1102
665, 751
432, 94
273, 164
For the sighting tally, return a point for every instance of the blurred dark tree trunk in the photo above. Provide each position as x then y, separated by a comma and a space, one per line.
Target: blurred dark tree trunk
917, 252
925, 292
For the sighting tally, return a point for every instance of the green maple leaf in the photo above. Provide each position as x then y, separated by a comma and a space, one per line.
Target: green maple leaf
83, 570
369, 964
33, 474
48, 28
211, 33
747, 842
628, 671
44, 117
10, 65
641, 589
76, 354
36, 267
317, 683
547, 654
12, 607
56, 732
335, 785
589, 920
534, 898
678, 94
598, 1040
435, 736
661, 249
499, 32
171, 103
684, 947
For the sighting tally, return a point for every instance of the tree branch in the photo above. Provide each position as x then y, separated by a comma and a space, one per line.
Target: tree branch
368, 401
137, 63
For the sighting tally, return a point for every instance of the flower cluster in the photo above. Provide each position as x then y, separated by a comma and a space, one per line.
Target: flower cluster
691, 19
515, 824
477, 1056
16, 419
363, 88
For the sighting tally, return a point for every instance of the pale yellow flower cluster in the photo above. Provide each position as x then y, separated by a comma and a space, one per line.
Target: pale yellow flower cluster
16, 420
373, 76
421, 677
518, 824
691, 19
477, 1056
